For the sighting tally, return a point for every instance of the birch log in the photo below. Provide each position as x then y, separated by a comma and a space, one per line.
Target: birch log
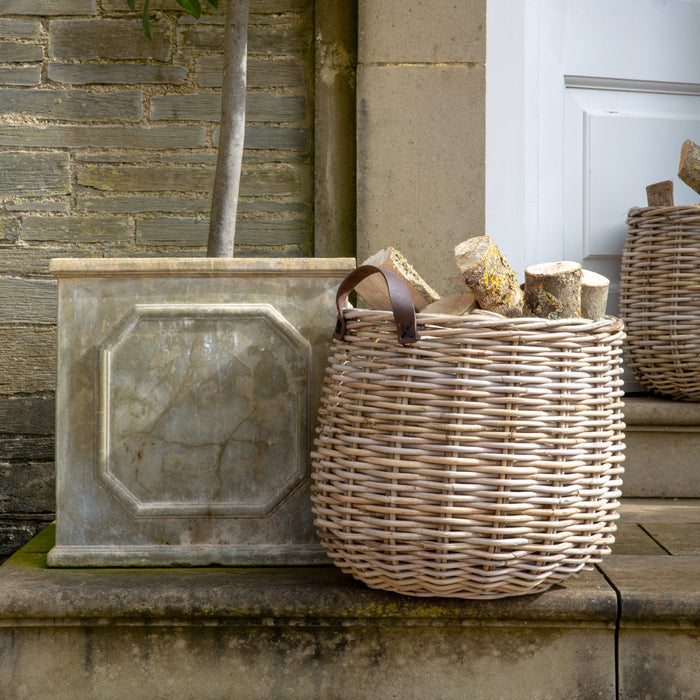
553, 290
488, 275
594, 295
373, 290
689, 167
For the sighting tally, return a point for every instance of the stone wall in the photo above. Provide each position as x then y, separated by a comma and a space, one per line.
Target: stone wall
107, 148
421, 96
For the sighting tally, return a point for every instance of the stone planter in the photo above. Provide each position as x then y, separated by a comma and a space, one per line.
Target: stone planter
186, 398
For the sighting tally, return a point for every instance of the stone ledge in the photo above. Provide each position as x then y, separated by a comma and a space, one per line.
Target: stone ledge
660, 510
29, 590
658, 636
660, 435
642, 410
86, 267
656, 590
314, 632
294, 632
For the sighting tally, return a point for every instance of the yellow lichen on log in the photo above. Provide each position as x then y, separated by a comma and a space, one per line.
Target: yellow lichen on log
553, 290
689, 166
489, 276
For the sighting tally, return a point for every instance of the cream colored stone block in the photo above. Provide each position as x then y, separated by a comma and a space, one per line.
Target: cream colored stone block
186, 402
422, 30
420, 164
662, 439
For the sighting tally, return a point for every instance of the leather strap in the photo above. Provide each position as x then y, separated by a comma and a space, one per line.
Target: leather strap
401, 302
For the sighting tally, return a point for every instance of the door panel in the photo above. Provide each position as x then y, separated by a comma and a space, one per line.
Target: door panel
616, 143
587, 103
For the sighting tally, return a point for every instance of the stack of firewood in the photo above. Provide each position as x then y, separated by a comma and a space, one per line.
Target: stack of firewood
551, 290
660, 194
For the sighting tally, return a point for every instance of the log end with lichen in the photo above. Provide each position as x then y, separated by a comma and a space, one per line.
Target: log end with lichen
489, 276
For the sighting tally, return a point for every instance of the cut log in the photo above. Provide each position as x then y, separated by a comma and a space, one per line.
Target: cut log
373, 290
594, 295
689, 167
660, 194
553, 290
457, 304
488, 275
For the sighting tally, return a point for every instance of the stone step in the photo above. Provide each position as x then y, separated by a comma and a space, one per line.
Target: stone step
630, 627
662, 438
655, 571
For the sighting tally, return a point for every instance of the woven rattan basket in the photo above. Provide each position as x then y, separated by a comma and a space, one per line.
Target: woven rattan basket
660, 299
482, 461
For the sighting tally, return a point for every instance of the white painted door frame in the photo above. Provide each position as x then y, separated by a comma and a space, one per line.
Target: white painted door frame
551, 64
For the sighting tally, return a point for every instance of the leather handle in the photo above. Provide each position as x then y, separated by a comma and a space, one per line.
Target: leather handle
401, 302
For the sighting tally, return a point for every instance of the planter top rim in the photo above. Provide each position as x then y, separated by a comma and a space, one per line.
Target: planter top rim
152, 266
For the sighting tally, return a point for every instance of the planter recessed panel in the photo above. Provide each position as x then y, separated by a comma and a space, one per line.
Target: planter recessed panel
186, 396
203, 410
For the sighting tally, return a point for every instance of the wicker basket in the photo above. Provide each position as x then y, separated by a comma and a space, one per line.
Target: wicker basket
660, 299
482, 461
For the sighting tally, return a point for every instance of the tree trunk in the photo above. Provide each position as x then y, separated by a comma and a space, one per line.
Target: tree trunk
224, 204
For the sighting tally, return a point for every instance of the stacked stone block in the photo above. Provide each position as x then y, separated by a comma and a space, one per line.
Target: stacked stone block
108, 148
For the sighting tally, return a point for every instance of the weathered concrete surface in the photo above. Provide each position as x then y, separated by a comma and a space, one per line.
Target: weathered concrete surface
186, 400
335, 64
313, 632
421, 87
309, 632
662, 436
659, 637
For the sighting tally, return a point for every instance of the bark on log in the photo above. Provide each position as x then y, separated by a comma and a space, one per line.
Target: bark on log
689, 167
553, 290
594, 295
488, 275
457, 304
660, 194
373, 290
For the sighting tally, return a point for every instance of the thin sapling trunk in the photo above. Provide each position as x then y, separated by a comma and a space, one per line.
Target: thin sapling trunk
224, 205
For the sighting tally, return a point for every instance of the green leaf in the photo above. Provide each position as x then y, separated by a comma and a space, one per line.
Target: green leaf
144, 19
192, 6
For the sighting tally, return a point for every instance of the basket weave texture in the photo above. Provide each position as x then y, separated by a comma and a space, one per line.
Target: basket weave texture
483, 461
660, 299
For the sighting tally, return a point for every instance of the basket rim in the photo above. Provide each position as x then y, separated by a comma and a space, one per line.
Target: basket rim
647, 212
486, 319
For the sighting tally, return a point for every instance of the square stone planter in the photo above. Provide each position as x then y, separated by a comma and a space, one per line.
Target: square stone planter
186, 399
